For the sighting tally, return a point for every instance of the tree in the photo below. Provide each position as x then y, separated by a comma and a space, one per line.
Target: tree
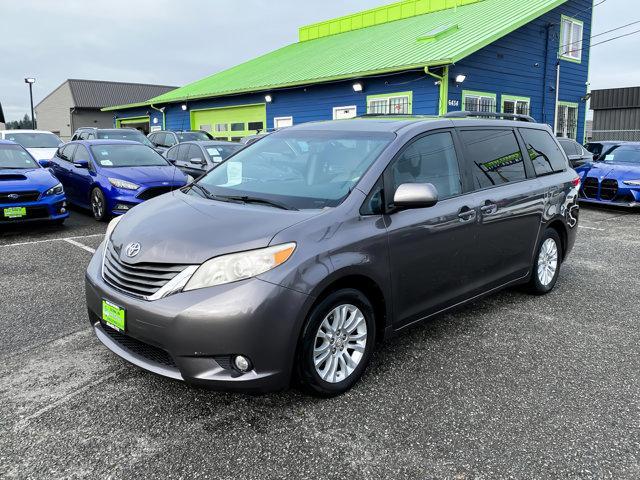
23, 124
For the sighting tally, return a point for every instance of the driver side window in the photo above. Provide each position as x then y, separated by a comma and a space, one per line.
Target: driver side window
430, 159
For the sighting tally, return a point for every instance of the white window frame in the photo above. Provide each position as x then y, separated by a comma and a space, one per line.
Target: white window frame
387, 104
570, 45
346, 107
280, 119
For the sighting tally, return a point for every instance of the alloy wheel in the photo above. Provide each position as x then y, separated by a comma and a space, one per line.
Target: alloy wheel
547, 261
340, 343
97, 205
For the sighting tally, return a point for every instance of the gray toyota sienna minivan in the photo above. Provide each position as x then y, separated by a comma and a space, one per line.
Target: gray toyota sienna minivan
294, 257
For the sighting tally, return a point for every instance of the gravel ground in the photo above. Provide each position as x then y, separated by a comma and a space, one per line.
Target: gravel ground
510, 387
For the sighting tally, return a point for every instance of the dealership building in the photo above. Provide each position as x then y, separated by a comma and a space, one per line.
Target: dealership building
422, 57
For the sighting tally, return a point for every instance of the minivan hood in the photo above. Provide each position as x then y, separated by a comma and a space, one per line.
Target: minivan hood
184, 229
42, 153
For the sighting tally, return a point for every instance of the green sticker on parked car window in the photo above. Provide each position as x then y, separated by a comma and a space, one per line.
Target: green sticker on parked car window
113, 315
15, 212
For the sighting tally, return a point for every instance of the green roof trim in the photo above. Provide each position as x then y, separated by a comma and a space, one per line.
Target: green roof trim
389, 47
377, 16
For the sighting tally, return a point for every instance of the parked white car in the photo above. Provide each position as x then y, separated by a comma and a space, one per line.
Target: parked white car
42, 145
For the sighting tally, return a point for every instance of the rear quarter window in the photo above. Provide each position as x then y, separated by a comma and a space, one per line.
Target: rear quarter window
544, 152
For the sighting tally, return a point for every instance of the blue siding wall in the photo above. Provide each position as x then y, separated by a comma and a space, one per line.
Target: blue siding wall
522, 64
515, 65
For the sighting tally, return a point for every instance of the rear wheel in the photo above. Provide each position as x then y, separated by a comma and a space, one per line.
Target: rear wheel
546, 268
98, 205
336, 343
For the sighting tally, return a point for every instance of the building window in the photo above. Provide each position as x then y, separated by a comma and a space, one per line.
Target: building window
392, 104
282, 122
478, 101
571, 31
221, 127
237, 127
517, 105
567, 122
343, 113
257, 126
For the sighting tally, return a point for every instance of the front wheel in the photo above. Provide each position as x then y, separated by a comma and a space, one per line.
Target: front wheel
336, 343
546, 267
98, 205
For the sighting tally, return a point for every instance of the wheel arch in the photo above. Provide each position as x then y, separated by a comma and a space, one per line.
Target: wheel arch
561, 229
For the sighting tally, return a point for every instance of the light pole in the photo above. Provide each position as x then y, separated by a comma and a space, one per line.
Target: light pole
31, 81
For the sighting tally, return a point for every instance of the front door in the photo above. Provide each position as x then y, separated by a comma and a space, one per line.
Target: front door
61, 166
429, 247
81, 179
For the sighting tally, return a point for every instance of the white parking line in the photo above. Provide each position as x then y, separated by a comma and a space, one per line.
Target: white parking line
78, 244
592, 228
52, 240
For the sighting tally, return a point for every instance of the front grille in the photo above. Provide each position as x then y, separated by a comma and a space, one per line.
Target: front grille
590, 188
21, 197
149, 352
608, 189
33, 213
153, 192
139, 280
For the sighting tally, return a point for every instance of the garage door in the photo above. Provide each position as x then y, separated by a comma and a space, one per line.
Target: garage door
230, 123
139, 123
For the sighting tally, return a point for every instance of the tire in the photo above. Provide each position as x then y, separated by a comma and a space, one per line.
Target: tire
99, 212
549, 253
340, 308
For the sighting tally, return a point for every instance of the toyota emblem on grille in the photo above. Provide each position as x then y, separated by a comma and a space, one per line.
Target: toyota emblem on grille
132, 249
13, 196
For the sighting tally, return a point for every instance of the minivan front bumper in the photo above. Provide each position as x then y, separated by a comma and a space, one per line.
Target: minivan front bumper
194, 336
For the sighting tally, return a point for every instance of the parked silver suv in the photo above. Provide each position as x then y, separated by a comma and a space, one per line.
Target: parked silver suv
295, 256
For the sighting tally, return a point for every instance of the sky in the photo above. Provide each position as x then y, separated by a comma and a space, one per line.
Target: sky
175, 42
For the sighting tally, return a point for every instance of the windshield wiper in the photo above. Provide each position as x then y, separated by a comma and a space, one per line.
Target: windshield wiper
206, 193
263, 201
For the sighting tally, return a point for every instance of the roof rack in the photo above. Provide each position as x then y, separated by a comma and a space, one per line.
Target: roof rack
509, 116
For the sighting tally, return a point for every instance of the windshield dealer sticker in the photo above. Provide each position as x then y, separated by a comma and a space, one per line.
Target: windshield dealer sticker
234, 174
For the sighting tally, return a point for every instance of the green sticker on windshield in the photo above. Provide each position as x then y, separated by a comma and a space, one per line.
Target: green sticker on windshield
15, 212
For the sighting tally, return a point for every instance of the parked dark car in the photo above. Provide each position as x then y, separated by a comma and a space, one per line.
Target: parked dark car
195, 158
110, 177
292, 258
598, 148
90, 133
614, 179
165, 139
577, 154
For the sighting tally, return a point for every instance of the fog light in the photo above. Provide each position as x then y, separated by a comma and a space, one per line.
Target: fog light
122, 206
63, 210
241, 363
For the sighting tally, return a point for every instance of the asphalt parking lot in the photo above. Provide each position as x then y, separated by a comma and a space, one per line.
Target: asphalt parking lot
511, 387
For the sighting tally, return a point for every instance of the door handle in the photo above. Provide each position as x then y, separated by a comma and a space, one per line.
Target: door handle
489, 209
467, 215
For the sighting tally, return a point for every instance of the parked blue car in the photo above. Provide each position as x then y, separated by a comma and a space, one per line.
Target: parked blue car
27, 190
112, 176
614, 179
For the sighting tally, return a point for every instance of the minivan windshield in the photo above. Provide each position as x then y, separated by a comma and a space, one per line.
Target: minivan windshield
14, 157
35, 139
127, 155
133, 135
297, 169
623, 154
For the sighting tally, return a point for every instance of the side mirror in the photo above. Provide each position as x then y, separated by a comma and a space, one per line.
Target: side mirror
415, 195
81, 164
44, 163
60, 144
197, 161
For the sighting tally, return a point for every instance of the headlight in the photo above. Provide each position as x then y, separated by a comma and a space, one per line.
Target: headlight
111, 227
116, 182
57, 190
239, 266
633, 183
